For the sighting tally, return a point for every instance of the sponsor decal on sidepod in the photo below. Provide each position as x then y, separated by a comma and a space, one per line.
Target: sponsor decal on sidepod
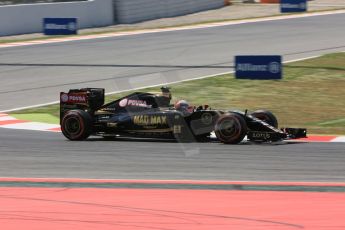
150, 120
128, 102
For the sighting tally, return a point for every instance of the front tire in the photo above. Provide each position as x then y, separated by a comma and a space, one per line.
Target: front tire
231, 128
266, 116
76, 125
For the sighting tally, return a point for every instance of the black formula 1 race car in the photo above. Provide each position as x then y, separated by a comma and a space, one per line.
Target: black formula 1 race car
83, 113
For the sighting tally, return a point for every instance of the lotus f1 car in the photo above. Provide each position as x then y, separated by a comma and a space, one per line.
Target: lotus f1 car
83, 113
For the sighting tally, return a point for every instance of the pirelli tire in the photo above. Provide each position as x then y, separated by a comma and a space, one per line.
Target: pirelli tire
231, 128
76, 125
266, 116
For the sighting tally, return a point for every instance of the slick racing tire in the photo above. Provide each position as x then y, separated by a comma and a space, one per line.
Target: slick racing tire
230, 128
76, 125
266, 116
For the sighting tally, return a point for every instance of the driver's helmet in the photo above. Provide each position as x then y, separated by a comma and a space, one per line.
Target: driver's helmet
183, 107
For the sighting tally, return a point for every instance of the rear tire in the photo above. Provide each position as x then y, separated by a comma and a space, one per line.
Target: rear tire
231, 128
76, 125
266, 116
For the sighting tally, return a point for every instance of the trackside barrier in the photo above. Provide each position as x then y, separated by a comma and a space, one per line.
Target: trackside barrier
27, 18
132, 11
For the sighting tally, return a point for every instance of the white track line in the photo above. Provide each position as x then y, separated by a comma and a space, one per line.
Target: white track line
30, 107
164, 30
339, 139
7, 118
139, 88
36, 126
163, 181
148, 31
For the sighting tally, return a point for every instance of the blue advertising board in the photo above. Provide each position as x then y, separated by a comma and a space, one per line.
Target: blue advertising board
60, 26
292, 6
258, 67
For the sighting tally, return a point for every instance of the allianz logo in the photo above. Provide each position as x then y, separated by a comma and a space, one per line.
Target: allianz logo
273, 67
293, 6
70, 26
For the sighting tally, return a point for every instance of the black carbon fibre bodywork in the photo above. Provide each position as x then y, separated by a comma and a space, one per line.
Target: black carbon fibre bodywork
151, 115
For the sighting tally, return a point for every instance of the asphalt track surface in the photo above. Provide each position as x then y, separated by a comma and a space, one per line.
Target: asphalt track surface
35, 154
36, 74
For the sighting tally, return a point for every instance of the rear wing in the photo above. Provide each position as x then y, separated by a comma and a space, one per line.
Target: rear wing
87, 99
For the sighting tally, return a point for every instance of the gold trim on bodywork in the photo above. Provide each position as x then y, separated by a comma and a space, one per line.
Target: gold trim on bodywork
111, 125
175, 129
151, 130
100, 112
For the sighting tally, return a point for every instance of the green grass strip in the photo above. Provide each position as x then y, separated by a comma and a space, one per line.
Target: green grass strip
311, 95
